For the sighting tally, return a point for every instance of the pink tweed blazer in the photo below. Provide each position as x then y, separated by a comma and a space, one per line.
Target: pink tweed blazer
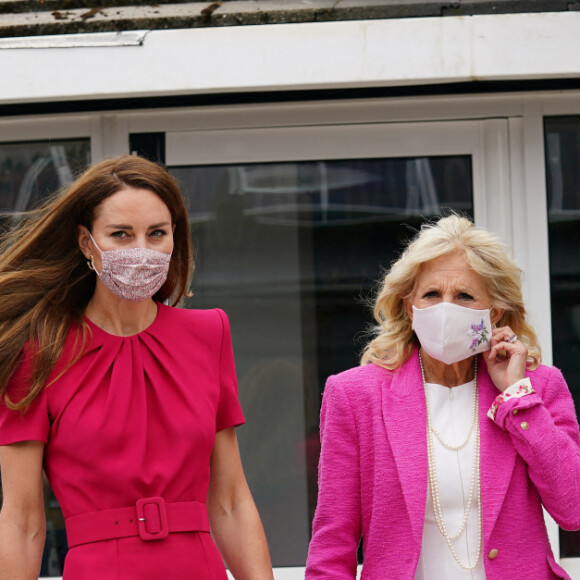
373, 475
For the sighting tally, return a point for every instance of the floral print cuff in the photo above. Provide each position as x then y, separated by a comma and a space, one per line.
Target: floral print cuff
520, 388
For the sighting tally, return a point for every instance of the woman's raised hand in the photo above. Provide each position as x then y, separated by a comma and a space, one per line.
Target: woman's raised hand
507, 358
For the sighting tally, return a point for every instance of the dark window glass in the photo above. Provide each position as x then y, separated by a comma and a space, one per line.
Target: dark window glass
290, 251
148, 145
562, 144
29, 172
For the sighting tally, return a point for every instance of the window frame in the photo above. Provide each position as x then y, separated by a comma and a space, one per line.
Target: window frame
487, 141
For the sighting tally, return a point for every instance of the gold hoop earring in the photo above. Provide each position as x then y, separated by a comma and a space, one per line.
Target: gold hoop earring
91, 263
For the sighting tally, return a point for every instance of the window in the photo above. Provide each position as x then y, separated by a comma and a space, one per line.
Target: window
562, 144
291, 251
28, 173
291, 227
31, 171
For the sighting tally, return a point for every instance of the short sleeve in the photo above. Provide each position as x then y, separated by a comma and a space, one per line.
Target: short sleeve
229, 413
30, 425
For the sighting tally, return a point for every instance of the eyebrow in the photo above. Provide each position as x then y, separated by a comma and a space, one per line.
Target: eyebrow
461, 289
128, 227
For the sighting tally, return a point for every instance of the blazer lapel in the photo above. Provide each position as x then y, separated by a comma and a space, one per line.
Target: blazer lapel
404, 416
497, 455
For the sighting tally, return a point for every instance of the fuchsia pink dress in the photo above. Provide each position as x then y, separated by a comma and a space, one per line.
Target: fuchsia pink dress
133, 423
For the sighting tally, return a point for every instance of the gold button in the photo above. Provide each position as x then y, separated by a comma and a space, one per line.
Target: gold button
515, 411
524, 426
492, 554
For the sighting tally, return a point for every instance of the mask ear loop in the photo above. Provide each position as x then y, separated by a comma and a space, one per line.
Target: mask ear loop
91, 260
91, 265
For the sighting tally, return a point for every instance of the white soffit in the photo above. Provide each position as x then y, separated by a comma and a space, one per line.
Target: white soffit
321, 55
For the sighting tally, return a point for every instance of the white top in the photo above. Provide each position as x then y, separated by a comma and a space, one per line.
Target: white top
451, 413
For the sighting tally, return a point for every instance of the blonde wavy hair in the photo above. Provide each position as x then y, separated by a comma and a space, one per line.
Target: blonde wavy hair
394, 339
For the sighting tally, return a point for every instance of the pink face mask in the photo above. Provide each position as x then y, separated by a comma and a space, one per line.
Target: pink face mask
450, 333
134, 274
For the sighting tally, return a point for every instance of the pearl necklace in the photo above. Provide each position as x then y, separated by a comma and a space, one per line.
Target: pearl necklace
475, 473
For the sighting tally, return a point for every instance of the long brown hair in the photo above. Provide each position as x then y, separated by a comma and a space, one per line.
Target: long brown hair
45, 284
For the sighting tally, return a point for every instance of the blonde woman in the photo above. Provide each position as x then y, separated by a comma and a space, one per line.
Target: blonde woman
129, 404
441, 449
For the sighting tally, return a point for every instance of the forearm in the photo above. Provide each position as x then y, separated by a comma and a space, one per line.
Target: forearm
22, 519
553, 460
21, 550
240, 537
544, 432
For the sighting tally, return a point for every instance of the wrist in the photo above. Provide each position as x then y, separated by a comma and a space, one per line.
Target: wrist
519, 388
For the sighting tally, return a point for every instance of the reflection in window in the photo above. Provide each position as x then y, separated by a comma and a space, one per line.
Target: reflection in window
29, 172
290, 250
562, 144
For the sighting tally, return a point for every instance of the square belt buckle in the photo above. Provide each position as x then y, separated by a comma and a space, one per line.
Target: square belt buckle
152, 518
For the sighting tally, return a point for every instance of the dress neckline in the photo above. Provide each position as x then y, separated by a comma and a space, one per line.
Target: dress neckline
435, 386
95, 328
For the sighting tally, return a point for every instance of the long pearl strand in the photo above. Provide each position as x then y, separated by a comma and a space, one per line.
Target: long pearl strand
475, 473
474, 419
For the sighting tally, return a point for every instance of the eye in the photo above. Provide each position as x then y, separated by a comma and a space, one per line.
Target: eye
465, 296
431, 294
120, 234
158, 233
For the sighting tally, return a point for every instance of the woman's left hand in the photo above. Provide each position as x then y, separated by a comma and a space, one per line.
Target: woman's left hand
507, 358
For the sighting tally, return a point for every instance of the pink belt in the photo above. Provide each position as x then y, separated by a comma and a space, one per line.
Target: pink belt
151, 518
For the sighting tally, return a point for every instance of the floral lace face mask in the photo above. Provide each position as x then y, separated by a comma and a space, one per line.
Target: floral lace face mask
450, 333
134, 274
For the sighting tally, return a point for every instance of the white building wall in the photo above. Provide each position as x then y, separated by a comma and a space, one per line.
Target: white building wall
416, 51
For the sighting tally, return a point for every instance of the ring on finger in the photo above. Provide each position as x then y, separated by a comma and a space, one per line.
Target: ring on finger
512, 338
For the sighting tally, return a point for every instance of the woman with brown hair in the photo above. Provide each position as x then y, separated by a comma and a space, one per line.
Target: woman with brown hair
129, 404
